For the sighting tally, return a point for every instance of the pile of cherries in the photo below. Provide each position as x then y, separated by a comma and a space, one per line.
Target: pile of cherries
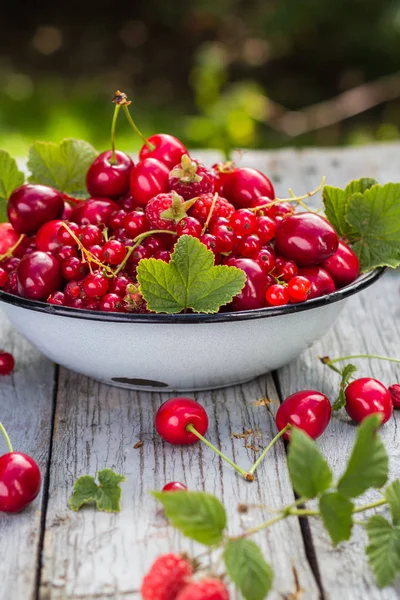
84, 254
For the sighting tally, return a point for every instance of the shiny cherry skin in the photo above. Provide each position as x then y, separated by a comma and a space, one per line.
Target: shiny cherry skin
244, 185
38, 275
8, 237
32, 205
367, 396
321, 282
95, 211
109, 180
3, 277
307, 410
47, 237
7, 363
174, 486
343, 266
19, 481
306, 238
253, 293
175, 415
148, 178
167, 149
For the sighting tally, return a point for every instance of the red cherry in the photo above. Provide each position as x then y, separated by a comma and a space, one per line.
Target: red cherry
277, 295
47, 239
244, 185
109, 180
135, 223
175, 415
31, 206
174, 486
7, 363
57, 298
308, 410
167, 149
38, 275
11, 264
95, 211
19, 481
8, 237
3, 277
343, 266
95, 285
366, 396
67, 212
321, 282
253, 294
306, 238
148, 178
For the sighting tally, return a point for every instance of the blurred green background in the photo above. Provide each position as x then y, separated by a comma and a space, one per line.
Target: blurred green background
216, 73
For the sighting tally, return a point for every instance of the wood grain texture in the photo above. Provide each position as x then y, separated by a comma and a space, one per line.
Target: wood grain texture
26, 402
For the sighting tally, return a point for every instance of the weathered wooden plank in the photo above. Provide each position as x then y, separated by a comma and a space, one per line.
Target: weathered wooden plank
26, 405
93, 555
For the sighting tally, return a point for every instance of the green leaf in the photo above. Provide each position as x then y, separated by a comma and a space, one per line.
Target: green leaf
106, 495
10, 179
337, 512
309, 472
392, 494
62, 166
198, 515
189, 281
368, 464
347, 373
375, 215
248, 569
383, 550
336, 201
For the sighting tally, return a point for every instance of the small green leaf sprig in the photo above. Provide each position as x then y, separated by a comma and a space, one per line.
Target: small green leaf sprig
202, 518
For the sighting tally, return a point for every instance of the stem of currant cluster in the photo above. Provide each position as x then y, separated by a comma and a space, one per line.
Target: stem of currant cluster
292, 198
268, 448
5, 435
138, 240
135, 129
113, 159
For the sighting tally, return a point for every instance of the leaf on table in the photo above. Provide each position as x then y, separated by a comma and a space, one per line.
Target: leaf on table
62, 166
375, 215
337, 516
336, 201
347, 373
368, 465
248, 569
10, 179
189, 281
198, 515
383, 550
106, 494
309, 472
392, 494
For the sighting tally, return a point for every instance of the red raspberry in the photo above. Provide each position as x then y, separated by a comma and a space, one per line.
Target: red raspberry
190, 178
201, 208
168, 575
207, 589
164, 211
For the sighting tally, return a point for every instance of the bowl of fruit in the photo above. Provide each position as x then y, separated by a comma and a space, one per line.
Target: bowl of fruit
166, 274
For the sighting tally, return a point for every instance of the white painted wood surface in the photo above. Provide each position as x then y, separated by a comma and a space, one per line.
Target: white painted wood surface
90, 555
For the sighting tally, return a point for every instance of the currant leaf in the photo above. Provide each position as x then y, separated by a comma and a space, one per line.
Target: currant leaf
248, 569
198, 515
189, 281
106, 494
62, 166
10, 178
368, 465
347, 373
392, 494
336, 201
309, 472
336, 513
383, 550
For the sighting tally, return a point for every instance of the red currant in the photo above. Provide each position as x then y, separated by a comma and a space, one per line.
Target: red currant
189, 226
321, 282
249, 246
266, 258
111, 303
299, 288
113, 252
65, 238
95, 284
3, 277
91, 235
243, 222
135, 223
265, 229
57, 298
73, 268
277, 295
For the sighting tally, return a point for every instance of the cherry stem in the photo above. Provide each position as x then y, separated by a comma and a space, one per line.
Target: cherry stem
113, 159
5, 435
11, 250
245, 475
304, 512
330, 361
268, 448
135, 129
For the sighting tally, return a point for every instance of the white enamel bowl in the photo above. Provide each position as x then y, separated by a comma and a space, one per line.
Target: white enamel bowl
177, 352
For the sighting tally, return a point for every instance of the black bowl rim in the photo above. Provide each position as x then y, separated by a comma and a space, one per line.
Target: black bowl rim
361, 283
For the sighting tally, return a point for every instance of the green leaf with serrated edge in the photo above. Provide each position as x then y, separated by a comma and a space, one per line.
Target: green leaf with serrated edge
309, 472
248, 569
383, 550
392, 494
368, 464
106, 495
189, 281
336, 200
62, 166
375, 215
198, 515
337, 516
10, 178
347, 373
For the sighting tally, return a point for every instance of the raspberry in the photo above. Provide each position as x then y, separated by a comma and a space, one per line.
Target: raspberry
201, 208
207, 589
168, 575
165, 210
190, 178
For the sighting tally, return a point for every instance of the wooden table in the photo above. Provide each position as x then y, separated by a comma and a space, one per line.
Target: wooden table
73, 426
